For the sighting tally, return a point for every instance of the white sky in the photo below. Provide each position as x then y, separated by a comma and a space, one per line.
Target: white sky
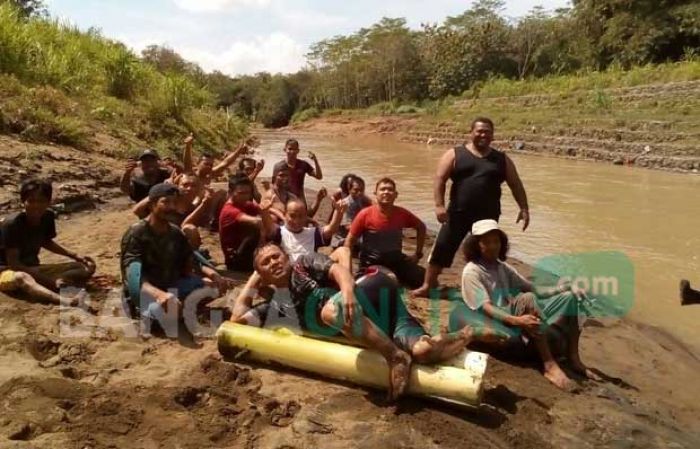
249, 36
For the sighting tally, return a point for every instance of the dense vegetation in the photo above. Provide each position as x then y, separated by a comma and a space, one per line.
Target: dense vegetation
78, 88
59, 78
388, 64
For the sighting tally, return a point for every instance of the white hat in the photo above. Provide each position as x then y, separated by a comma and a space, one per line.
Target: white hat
484, 227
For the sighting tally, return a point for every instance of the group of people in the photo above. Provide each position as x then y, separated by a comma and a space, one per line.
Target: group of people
274, 235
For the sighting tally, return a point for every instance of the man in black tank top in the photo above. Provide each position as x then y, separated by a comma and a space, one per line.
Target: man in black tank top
477, 172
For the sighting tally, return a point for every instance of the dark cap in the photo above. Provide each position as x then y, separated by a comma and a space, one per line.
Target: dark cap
162, 190
149, 153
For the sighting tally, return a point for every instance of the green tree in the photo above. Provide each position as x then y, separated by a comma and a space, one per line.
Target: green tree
468, 48
632, 32
545, 43
28, 8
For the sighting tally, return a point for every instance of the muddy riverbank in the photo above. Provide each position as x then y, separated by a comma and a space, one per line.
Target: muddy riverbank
69, 379
106, 388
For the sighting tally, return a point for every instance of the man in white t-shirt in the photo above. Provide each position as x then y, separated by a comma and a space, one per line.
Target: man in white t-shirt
297, 237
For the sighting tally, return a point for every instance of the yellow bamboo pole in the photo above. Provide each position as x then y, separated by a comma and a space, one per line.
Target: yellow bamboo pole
361, 366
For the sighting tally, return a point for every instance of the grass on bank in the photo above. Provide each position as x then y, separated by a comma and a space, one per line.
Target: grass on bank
559, 105
59, 84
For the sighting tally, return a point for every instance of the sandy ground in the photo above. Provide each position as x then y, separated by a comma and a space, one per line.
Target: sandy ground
73, 380
69, 379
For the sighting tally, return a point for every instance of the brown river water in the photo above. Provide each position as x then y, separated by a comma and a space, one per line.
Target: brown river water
652, 217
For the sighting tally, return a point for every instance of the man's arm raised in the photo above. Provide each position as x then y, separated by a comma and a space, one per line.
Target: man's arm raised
317, 173
229, 159
125, 182
331, 228
188, 165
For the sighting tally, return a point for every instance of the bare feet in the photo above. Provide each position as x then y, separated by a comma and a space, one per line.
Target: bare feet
554, 374
421, 292
442, 347
399, 374
579, 368
71, 299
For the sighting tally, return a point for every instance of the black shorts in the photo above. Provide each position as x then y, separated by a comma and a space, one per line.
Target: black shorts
407, 272
451, 235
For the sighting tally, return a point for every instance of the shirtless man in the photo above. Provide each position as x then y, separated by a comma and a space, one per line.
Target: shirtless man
205, 168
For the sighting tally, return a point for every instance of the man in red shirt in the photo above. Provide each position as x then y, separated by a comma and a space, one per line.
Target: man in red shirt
298, 169
381, 228
240, 224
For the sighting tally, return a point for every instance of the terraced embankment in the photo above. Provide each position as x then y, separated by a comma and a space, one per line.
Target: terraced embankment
654, 126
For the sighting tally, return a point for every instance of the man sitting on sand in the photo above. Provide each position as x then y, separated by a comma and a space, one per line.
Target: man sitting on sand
23, 235
298, 169
190, 189
514, 306
296, 237
252, 168
137, 186
351, 193
157, 263
205, 168
240, 225
317, 293
688, 295
381, 228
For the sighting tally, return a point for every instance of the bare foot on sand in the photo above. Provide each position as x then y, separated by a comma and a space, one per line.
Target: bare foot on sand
579, 368
554, 374
399, 374
73, 299
421, 292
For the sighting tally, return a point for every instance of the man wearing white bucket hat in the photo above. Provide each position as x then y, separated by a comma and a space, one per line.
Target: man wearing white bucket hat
501, 297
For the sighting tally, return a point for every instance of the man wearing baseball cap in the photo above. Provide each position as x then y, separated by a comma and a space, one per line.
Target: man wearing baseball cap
138, 186
157, 263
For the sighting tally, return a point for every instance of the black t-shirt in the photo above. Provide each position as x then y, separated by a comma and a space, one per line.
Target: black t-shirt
17, 233
163, 257
140, 186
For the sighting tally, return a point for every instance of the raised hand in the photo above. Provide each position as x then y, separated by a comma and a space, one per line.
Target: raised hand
131, 165
267, 202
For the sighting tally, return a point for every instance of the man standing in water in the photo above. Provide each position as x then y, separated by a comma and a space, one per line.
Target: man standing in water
298, 169
477, 171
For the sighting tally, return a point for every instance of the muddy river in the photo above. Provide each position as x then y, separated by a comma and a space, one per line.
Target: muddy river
652, 217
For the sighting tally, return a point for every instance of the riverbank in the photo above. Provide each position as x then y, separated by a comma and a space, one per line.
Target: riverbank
108, 388
649, 126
